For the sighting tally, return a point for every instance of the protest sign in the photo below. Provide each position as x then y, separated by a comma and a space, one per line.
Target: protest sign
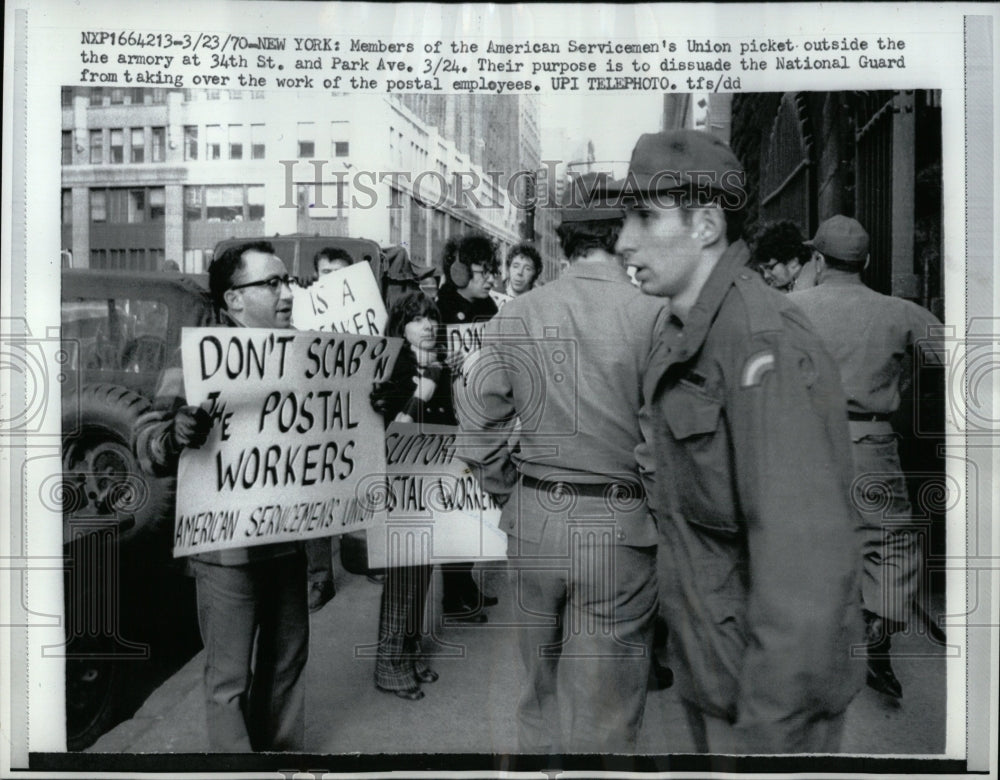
345, 301
293, 434
465, 340
437, 510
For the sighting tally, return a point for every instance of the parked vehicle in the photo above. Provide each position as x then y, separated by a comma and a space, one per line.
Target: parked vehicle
129, 609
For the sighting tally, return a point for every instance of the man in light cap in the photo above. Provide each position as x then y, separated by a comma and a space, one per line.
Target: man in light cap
568, 361
749, 468
869, 336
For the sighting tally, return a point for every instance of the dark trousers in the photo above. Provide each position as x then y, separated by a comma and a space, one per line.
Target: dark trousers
891, 548
717, 735
319, 558
458, 586
254, 703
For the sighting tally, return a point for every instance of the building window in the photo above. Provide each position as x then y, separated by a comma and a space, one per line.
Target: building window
117, 96
157, 204
98, 206
190, 142
256, 142
97, 96
395, 217
213, 142
117, 148
307, 140
255, 202
236, 142
194, 201
67, 147
158, 144
97, 146
127, 205
67, 97
136, 206
159, 96
137, 153
212, 94
340, 148
197, 260
224, 203
67, 207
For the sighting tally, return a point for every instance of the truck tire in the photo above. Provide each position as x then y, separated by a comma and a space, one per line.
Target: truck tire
102, 475
105, 491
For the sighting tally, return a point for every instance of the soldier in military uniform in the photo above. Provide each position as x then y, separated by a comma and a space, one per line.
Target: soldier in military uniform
870, 336
568, 360
749, 468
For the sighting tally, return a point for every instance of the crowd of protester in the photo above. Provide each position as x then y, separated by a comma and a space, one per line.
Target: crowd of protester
724, 405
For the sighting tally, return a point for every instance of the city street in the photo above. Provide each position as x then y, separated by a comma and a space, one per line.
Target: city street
471, 708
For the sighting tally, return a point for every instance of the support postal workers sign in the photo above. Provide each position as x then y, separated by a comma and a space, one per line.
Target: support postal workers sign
293, 434
437, 510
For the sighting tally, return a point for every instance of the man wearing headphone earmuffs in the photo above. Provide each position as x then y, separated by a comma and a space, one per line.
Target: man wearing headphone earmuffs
470, 267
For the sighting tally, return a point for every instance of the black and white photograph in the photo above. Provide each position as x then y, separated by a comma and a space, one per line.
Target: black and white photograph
499, 401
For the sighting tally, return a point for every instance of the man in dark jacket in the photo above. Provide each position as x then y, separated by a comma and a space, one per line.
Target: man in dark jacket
470, 268
252, 608
750, 467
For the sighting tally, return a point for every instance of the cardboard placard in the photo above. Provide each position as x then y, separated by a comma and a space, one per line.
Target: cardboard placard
345, 301
466, 340
437, 512
294, 434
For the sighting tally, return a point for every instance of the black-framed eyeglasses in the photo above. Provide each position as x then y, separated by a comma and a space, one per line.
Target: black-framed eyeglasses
273, 283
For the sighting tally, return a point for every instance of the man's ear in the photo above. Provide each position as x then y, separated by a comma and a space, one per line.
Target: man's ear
820, 262
709, 226
233, 299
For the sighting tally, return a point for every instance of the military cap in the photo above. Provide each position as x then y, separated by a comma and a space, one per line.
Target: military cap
586, 199
683, 160
842, 238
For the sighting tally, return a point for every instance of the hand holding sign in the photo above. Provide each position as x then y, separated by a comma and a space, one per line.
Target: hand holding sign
437, 510
425, 388
191, 427
345, 301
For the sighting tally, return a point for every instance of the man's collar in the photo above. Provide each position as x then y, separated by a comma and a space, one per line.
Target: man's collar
225, 318
841, 279
608, 270
732, 264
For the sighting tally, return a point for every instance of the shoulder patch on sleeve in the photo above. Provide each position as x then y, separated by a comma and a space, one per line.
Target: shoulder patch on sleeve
757, 365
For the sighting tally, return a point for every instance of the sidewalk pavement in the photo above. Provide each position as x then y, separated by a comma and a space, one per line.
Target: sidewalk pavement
471, 708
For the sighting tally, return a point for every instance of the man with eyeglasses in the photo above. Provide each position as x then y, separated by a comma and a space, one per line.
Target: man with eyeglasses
470, 268
255, 700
